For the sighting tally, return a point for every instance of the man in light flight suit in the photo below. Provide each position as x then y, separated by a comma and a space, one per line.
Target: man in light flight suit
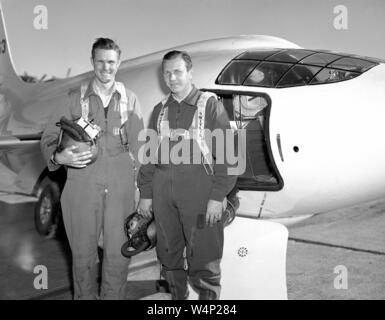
98, 196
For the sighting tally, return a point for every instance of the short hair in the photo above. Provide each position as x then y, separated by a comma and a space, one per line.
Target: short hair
175, 54
106, 44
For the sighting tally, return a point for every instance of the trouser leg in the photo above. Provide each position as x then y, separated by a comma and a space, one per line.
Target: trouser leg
204, 253
170, 238
119, 204
204, 243
204, 263
82, 207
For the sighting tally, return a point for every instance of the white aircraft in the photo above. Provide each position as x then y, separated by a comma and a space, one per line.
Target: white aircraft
315, 146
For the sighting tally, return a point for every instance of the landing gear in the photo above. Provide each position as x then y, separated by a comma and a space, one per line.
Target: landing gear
47, 209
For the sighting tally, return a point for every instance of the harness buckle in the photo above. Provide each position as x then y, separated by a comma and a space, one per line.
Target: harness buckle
176, 133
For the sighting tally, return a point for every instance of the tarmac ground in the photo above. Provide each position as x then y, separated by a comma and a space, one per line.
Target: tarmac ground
331, 256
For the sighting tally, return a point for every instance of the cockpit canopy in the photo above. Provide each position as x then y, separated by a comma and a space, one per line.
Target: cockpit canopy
283, 68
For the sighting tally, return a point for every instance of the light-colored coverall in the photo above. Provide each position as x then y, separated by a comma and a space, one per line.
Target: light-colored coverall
97, 199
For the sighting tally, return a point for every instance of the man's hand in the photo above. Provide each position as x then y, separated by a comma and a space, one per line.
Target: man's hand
70, 158
145, 208
214, 212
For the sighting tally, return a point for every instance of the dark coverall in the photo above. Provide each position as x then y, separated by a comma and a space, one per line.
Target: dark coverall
180, 194
97, 199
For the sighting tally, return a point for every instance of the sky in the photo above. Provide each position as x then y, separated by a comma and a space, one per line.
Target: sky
59, 37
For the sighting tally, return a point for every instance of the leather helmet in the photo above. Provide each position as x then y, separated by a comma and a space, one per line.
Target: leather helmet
72, 134
141, 234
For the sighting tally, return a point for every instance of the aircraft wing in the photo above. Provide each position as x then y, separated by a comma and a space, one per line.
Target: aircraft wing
19, 141
11, 191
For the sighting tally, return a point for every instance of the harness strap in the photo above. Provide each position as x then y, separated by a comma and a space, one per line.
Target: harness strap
162, 124
196, 130
85, 103
201, 113
123, 103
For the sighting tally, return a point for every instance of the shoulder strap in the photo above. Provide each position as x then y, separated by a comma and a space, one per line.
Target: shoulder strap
163, 102
201, 116
162, 120
201, 112
84, 102
123, 104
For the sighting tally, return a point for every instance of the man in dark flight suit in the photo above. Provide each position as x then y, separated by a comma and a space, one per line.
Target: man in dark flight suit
187, 199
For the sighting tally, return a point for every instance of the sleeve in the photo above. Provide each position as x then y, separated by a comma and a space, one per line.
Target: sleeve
223, 182
50, 136
146, 171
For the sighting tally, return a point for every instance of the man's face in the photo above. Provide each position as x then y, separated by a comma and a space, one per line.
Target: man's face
176, 76
106, 64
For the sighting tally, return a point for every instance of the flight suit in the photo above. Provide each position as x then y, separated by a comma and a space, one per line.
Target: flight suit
97, 199
180, 194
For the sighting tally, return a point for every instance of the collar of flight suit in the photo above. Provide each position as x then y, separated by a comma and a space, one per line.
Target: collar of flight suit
90, 90
191, 99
